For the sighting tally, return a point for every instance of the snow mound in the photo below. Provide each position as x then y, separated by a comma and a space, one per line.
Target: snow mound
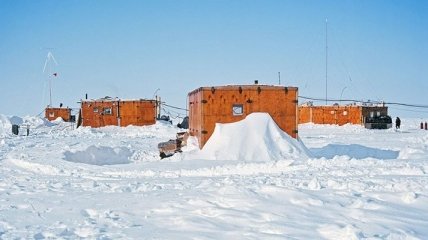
5, 125
33, 121
100, 155
256, 138
37, 122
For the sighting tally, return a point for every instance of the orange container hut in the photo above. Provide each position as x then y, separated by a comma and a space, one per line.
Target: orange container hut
340, 115
116, 112
52, 113
226, 104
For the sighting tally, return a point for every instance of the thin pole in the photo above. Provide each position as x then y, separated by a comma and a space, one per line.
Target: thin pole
326, 61
50, 91
279, 78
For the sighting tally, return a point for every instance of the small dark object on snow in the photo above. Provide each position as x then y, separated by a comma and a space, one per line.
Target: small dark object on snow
167, 149
165, 118
381, 122
184, 124
397, 123
15, 129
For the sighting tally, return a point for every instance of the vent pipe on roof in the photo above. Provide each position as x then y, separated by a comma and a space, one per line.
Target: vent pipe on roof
86, 96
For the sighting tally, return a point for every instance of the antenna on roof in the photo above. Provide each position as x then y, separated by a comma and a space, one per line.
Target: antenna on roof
326, 60
279, 78
49, 58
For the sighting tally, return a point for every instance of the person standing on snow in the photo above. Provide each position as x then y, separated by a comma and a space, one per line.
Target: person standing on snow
397, 123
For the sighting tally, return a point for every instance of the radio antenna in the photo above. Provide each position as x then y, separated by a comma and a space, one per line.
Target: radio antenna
50, 58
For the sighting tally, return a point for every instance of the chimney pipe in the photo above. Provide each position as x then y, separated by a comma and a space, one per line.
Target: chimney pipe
86, 96
256, 82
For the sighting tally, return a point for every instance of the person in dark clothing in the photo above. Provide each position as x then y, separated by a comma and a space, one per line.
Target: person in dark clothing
397, 123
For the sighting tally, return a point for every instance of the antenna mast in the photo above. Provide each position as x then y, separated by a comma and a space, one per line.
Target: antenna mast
48, 58
279, 78
326, 61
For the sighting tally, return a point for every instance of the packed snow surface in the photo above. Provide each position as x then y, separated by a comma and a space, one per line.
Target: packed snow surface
109, 183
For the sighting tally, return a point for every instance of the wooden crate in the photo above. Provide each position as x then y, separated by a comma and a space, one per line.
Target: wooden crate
226, 104
100, 113
53, 113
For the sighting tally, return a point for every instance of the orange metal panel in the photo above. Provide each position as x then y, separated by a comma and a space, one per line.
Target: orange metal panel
339, 115
100, 113
226, 104
53, 113
138, 113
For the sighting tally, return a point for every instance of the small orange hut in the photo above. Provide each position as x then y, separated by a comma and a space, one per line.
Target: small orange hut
52, 113
344, 114
112, 111
226, 104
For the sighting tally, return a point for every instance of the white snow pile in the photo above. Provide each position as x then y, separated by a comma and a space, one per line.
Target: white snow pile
257, 138
32, 121
5, 125
100, 155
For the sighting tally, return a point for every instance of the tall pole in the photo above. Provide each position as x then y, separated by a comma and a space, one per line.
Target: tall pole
326, 61
50, 73
341, 93
50, 91
279, 78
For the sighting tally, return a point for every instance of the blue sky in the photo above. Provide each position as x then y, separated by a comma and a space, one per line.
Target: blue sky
378, 50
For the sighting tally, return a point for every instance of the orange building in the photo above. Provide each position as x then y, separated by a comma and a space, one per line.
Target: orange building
226, 104
52, 113
116, 112
344, 114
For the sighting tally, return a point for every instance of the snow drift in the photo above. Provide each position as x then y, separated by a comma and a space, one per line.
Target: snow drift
256, 138
100, 155
32, 121
5, 125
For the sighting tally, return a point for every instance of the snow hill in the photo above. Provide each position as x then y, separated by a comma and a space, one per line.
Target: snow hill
256, 138
251, 182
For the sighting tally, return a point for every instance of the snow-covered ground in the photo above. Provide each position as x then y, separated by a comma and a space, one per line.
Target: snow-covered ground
109, 183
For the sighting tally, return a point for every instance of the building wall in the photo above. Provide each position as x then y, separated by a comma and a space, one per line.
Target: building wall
53, 113
99, 113
339, 115
137, 113
118, 113
211, 105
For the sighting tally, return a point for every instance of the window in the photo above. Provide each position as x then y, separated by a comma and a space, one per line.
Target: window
95, 109
378, 114
237, 109
107, 111
371, 114
345, 113
51, 114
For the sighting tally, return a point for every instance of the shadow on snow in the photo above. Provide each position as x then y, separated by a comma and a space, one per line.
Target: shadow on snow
353, 151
